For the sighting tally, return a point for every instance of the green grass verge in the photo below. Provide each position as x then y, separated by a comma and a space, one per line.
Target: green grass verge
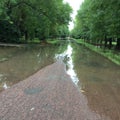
112, 55
53, 41
36, 40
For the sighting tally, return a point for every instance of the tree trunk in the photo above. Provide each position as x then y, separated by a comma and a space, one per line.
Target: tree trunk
106, 41
101, 40
110, 43
26, 35
118, 44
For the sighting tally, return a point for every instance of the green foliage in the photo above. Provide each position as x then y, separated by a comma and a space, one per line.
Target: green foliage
36, 18
98, 20
8, 32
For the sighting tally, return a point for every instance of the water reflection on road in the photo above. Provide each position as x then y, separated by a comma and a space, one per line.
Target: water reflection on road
66, 56
96, 77
100, 80
16, 64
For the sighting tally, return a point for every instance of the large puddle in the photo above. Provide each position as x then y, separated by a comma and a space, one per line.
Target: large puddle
99, 79
96, 77
66, 57
16, 64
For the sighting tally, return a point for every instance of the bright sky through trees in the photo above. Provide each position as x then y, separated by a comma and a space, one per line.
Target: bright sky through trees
75, 4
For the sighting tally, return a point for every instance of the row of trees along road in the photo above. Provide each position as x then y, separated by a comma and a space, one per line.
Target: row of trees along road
98, 21
29, 19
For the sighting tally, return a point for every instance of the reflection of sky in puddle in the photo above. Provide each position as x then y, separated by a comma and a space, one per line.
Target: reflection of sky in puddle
2, 78
67, 56
5, 86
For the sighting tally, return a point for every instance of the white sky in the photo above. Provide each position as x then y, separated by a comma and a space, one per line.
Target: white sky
75, 4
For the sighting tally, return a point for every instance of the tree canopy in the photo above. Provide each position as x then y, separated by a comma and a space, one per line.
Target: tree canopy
33, 19
98, 20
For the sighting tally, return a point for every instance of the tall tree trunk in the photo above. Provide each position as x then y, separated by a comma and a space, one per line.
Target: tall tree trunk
26, 35
110, 43
106, 41
101, 40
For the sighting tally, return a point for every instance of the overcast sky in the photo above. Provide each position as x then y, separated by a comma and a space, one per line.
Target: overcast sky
75, 4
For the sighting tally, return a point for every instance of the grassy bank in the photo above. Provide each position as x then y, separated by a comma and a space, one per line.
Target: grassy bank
53, 41
34, 41
112, 55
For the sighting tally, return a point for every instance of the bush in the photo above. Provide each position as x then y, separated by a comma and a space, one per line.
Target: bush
8, 32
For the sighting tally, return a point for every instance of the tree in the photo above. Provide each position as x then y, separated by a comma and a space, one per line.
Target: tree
99, 20
36, 18
9, 32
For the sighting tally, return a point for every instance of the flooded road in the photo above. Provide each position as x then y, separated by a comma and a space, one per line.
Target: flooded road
17, 64
97, 78
66, 57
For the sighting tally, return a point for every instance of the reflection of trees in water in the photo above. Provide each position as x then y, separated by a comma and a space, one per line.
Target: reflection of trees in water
26, 61
99, 79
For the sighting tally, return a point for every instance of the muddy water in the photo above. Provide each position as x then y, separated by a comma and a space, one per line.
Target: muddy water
17, 64
97, 78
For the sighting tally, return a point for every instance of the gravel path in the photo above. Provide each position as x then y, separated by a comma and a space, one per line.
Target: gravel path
49, 94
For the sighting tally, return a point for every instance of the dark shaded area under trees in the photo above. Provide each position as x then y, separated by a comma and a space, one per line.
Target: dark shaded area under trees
98, 22
23, 20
